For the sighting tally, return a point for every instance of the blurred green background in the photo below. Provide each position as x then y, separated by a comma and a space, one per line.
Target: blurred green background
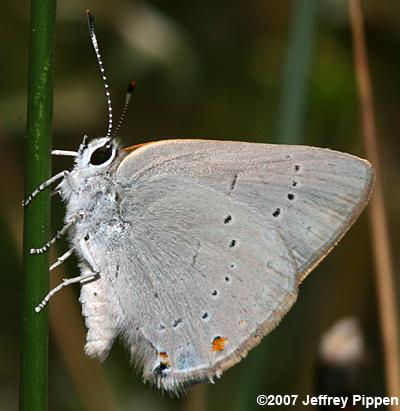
262, 71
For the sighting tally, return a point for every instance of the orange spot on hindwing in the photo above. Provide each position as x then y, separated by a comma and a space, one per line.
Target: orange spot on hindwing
164, 358
162, 368
218, 343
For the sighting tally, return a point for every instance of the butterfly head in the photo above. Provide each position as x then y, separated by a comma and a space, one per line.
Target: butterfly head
97, 155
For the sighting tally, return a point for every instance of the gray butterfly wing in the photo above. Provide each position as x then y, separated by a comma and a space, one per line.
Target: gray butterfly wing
222, 234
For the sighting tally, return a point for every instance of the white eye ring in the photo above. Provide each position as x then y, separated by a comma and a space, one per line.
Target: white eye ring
103, 152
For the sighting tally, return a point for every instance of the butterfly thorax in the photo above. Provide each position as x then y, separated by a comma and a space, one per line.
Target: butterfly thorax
90, 191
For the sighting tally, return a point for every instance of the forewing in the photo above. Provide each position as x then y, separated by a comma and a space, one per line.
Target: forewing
222, 233
313, 195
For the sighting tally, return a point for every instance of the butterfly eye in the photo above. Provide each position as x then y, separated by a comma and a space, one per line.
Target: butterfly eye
101, 155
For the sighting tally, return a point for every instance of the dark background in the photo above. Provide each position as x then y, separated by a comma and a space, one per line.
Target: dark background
209, 69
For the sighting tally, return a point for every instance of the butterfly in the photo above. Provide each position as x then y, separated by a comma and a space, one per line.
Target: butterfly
192, 250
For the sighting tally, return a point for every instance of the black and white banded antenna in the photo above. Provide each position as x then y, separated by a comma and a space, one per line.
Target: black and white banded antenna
92, 32
128, 97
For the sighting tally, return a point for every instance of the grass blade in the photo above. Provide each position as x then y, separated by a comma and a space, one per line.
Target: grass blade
296, 72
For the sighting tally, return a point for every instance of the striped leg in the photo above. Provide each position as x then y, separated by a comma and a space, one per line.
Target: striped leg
59, 234
44, 185
89, 276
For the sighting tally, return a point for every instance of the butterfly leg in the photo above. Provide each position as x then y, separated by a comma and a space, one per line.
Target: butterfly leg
46, 299
44, 185
61, 259
64, 153
59, 234
88, 257
89, 275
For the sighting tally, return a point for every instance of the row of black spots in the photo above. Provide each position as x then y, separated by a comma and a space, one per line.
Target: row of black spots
178, 322
232, 244
277, 212
227, 220
295, 183
215, 292
227, 278
175, 324
204, 316
290, 196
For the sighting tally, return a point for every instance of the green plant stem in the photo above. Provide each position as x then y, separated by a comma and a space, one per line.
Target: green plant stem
34, 348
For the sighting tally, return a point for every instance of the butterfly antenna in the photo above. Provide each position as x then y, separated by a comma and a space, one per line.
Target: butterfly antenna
128, 97
92, 32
